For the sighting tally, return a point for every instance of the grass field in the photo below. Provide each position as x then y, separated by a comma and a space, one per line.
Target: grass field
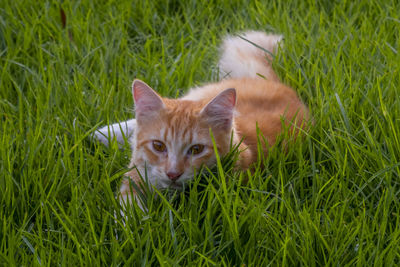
333, 199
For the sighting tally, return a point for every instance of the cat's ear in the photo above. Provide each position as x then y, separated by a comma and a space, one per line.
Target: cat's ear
147, 101
219, 111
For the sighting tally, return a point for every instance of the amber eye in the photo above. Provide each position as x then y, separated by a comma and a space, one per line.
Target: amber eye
159, 146
196, 149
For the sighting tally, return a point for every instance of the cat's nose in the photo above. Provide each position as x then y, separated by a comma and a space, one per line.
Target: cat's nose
174, 175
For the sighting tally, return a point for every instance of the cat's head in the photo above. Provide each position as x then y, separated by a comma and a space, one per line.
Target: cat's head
172, 137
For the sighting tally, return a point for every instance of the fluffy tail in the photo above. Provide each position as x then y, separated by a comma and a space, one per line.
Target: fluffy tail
245, 56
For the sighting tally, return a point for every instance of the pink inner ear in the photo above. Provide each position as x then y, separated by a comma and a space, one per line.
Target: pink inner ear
219, 111
139, 89
224, 101
230, 98
136, 93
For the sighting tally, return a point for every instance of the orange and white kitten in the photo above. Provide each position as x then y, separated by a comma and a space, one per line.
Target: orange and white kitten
170, 138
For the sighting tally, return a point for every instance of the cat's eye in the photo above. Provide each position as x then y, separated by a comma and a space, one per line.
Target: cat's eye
196, 149
159, 146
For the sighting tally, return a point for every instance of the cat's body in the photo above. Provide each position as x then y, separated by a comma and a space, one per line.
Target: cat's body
171, 137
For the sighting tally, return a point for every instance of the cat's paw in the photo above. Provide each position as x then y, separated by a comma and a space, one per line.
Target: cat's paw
120, 131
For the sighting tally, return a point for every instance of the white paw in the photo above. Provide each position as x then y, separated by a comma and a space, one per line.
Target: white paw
120, 131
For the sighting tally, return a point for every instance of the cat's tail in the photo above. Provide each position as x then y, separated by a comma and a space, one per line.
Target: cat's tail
248, 55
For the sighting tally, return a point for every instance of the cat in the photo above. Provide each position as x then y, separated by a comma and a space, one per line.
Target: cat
170, 138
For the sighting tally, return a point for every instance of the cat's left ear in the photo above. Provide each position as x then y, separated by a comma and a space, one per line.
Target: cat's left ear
219, 111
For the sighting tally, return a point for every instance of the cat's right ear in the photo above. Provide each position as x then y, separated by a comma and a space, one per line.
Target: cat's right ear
147, 101
219, 111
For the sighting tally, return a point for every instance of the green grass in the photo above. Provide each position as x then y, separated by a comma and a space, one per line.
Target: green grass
333, 199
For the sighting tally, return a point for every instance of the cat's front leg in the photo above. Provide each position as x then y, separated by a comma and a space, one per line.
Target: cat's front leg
120, 131
126, 196
127, 192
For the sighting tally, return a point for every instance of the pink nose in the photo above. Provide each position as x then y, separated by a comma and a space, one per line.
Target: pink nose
174, 175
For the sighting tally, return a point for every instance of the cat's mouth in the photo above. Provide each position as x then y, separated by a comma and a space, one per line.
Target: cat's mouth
176, 185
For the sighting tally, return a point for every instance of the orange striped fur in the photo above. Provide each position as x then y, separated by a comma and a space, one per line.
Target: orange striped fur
235, 105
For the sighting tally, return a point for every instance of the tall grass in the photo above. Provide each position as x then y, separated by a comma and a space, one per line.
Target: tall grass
333, 199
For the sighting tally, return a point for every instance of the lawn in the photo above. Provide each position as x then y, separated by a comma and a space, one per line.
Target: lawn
66, 68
